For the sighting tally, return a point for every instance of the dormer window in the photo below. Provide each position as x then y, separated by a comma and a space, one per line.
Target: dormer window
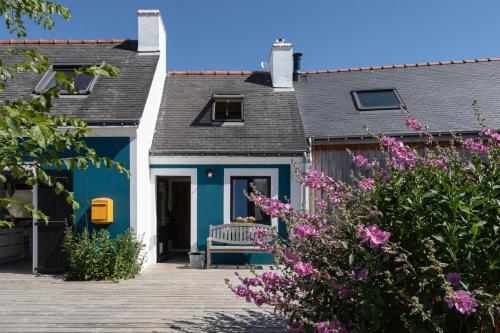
377, 99
83, 82
227, 108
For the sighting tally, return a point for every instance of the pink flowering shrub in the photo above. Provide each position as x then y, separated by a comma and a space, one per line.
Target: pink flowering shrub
413, 247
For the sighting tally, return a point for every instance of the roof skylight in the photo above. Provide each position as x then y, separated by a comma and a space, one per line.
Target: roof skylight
377, 99
83, 82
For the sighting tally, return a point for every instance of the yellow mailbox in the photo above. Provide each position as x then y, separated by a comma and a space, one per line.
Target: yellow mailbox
102, 211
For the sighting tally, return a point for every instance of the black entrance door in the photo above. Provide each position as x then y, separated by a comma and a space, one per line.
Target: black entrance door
51, 259
163, 219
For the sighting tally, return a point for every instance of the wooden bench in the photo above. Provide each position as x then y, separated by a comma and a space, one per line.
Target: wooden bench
238, 238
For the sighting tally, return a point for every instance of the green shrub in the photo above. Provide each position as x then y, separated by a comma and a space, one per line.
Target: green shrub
412, 247
96, 256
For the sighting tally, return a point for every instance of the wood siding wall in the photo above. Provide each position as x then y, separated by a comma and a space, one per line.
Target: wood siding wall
336, 162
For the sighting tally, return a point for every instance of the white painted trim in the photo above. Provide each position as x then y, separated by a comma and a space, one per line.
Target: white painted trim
121, 131
172, 172
154, 160
230, 172
133, 182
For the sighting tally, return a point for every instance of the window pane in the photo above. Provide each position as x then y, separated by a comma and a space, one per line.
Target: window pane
234, 110
82, 81
262, 186
227, 110
378, 99
220, 110
239, 201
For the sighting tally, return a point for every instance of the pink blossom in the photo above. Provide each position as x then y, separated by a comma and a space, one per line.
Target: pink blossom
321, 204
385, 176
305, 231
243, 291
259, 299
366, 184
291, 256
462, 301
375, 213
334, 326
317, 180
363, 162
387, 141
260, 232
491, 133
442, 162
453, 278
361, 274
413, 123
303, 269
372, 235
272, 207
252, 281
344, 292
474, 146
360, 160
270, 277
401, 155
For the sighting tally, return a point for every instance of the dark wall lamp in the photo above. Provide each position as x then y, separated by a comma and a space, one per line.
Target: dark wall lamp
209, 172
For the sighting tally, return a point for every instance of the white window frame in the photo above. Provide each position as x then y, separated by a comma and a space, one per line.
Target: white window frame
249, 172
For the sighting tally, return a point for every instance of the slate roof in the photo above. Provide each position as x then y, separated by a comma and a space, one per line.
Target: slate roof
272, 123
437, 94
112, 100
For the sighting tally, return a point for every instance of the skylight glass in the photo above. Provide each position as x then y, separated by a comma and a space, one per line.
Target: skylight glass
227, 108
83, 82
377, 99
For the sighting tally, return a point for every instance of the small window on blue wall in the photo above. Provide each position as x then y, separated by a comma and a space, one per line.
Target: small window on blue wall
240, 205
377, 99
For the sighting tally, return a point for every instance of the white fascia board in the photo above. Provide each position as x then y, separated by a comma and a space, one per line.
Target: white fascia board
113, 131
250, 160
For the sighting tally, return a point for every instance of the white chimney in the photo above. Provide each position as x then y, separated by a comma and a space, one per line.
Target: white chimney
281, 65
151, 32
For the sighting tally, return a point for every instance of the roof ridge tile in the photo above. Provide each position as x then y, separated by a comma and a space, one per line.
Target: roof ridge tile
419, 64
62, 41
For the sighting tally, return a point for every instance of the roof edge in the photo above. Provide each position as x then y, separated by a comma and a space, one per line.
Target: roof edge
225, 153
216, 72
418, 64
338, 70
369, 139
63, 41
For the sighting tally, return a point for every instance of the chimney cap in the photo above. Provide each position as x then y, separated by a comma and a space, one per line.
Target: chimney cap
148, 12
280, 42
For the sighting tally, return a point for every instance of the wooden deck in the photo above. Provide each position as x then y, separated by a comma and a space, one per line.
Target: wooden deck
164, 298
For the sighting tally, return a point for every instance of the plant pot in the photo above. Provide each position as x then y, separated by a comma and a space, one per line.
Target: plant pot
197, 259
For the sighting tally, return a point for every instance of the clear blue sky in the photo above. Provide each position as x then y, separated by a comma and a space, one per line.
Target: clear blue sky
237, 34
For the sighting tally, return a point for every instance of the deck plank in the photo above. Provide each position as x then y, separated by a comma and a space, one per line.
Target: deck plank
163, 298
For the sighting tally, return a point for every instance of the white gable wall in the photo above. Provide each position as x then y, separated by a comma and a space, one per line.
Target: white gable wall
145, 132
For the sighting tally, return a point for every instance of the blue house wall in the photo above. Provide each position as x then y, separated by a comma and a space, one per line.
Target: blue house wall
210, 205
101, 182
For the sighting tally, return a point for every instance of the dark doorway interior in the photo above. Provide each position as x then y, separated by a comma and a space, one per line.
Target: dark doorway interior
173, 217
16, 241
51, 258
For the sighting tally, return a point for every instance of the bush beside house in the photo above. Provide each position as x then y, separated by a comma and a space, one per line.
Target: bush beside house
413, 247
96, 256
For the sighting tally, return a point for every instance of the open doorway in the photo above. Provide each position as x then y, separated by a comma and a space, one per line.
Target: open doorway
31, 246
173, 218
